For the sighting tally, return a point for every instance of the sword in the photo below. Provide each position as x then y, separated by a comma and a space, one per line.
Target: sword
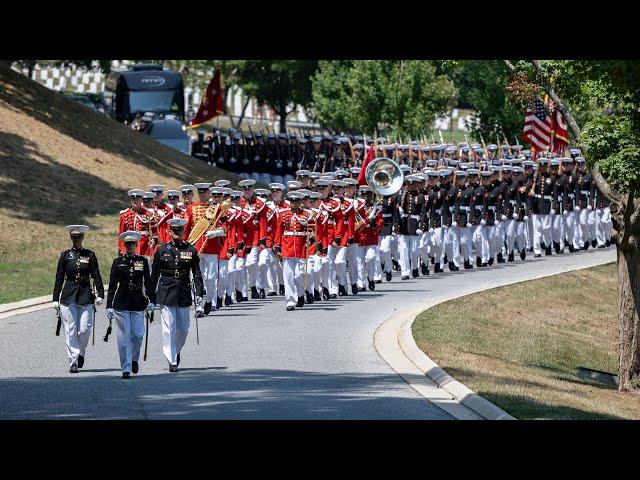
106, 337
59, 322
146, 339
195, 308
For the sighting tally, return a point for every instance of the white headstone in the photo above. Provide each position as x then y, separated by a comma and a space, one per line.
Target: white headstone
49, 83
74, 81
85, 78
92, 87
56, 72
80, 88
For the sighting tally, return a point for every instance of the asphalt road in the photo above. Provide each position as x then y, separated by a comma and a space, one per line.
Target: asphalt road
255, 360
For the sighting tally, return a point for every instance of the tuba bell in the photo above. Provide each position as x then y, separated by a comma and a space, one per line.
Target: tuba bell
384, 176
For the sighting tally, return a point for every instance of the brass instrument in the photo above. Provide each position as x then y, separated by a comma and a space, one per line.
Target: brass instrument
384, 176
209, 219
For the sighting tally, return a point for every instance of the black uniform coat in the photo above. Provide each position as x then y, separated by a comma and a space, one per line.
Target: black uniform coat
129, 273
414, 213
75, 266
390, 214
170, 273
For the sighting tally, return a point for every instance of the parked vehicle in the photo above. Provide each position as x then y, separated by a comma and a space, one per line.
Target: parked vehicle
170, 132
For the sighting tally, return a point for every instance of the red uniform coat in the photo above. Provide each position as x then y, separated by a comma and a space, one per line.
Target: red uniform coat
127, 222
349, 221
244, 220
369, 235
257, 230
146, 222
335, 223
291, 233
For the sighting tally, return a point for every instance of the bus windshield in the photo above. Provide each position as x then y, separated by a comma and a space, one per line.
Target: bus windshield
157, 101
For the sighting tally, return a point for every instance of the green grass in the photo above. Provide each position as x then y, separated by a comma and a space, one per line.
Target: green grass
519, 346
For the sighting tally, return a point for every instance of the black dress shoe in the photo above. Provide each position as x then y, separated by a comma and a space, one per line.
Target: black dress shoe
530, 249
586, 246
445, 259
556, 247
238, 296
388, 276
333, 296
245, 299
178, 359
467, 265
254, 293
218, 303
571, 248
547, 251
424, 269
601, 246
281, 289
73, 369
272, 294
543, 246
372, 285
414, 273
396, 265
490, 262
207, 308
501, 258
379, 281
341, 290
173, 368
309, 297
510, 257
433, 260
134, 366
80, 361
354, 288
405, 277
594, 243
523, 254
227, 300
325, 293
452, 267
262, 293
316, 296
607, 243
478, 261
437, 269
300, 303
290, 308
126, 375
537, 255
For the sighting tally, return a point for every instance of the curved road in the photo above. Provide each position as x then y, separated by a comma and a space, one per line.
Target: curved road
255, 360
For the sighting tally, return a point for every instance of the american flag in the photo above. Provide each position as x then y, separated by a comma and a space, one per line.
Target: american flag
537, 126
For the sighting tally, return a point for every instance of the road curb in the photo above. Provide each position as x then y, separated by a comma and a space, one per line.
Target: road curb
25, 306
393, 339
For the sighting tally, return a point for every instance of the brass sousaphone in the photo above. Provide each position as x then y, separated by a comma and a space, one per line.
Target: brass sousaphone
384, 176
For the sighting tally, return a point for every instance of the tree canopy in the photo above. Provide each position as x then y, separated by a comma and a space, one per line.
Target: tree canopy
402, 97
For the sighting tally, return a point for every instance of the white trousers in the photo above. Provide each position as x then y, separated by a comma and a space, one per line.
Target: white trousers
293, 273
223, 279
572, 229
466, 243
530, 231
603, 225
209, 269
77, 321
367, 255
338, 268
408, 252
175, 327
264, 260
452, 244
481, 242
251, 265
557, 229
351, 257
516, 234
385, 252
541, 232
436, 244
237, 276
129, 336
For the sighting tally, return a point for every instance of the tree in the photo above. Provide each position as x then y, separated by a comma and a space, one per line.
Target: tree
282, 84
401, 97
482, 87
610, 140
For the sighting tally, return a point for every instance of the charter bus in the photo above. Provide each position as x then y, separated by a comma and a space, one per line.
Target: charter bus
149, 88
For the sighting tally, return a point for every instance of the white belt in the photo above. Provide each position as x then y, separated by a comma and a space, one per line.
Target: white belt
387, 215
546, 197
584, 192
571, 195
438, 210
512, 202
491, 207
463, 208
331, 222
415, 217
295, 234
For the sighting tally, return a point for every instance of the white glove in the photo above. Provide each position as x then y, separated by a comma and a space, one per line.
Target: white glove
576, 208
503, 218
552, 212
454, 224
56, 305
419, 232
514, 216
483, 222
198, 301
565, 213
526, 217
589, 207
496, 223
110, 313
219, 232
99, 301
469, 225
151, 307
431, 230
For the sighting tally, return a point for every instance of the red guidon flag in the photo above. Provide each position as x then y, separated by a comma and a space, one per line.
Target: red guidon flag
561, 132
361, 177
212, 104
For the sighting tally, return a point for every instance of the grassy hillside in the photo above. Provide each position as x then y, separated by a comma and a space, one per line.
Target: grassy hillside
61, 163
